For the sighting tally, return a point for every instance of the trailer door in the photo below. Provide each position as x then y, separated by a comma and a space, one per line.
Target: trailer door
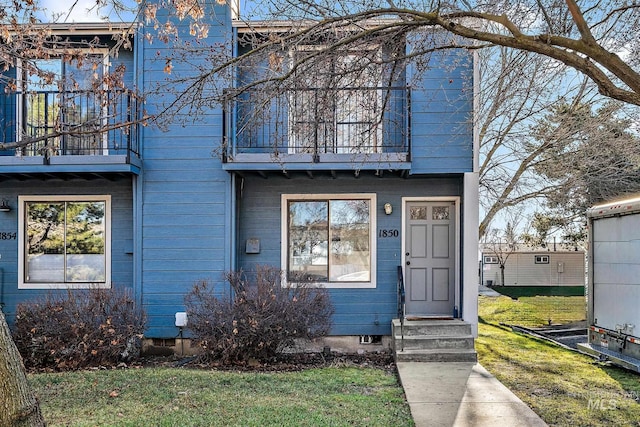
616, 271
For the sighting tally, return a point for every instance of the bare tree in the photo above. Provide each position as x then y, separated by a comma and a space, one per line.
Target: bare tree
598, 40
539, 43
516, 90
501, 244
19, 405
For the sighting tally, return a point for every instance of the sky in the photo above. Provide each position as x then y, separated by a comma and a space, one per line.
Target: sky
79, 13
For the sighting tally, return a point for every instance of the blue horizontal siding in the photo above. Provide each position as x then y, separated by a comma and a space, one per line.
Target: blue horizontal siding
208, 127
125, 58
185, 243
163, 153
163, 209
163, 233
185, 194
442, 114
358, 311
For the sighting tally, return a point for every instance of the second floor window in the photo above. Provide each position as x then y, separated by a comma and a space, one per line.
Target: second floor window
336, 105
58, 96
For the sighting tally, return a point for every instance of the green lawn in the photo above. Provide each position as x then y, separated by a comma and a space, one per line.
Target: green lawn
335, 396
533, 311
565, 388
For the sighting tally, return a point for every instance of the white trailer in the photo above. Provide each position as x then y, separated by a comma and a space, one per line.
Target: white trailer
535, 268
613, 293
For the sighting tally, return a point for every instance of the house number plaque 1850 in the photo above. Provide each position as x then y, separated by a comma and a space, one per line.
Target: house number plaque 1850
388, 232
7, 235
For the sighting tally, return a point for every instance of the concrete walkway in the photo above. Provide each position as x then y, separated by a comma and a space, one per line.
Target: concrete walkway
460, 394
488, 292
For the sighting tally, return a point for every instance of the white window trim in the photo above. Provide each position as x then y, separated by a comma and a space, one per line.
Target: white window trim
284, 246
490, 259
543, 259
106, 63
22, 200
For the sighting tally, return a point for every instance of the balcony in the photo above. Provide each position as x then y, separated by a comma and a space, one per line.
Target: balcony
75, 132
319, 129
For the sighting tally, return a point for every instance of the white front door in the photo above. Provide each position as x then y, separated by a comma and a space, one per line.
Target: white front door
429, 259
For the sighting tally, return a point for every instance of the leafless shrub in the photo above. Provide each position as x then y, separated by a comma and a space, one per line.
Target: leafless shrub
80, 328
260, 318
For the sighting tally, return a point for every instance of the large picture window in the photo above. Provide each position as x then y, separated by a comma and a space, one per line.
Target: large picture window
64, 241
330, 239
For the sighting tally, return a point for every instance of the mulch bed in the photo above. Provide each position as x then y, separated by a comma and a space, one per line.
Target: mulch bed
283, 363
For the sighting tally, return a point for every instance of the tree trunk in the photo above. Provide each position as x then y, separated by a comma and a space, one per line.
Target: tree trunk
18, 405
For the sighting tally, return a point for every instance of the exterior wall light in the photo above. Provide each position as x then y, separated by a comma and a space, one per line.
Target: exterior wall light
4, 207
388, 209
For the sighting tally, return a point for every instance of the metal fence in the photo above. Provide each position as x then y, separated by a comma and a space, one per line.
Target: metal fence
72, 123
314, 120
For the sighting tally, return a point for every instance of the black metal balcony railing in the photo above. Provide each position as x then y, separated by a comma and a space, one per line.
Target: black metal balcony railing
72, 123
363, 120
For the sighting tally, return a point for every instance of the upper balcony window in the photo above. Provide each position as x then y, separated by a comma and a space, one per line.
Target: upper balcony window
60, 103
336, 105
70, 104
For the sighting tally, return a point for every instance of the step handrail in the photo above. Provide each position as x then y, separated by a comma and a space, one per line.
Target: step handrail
401, 304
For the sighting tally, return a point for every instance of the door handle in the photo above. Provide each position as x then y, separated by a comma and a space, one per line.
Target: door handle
408, 262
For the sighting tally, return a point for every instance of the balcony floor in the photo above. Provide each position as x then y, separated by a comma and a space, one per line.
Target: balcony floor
326, 161
36, 167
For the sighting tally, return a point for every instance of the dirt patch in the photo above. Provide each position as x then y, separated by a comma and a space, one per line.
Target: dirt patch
282, 363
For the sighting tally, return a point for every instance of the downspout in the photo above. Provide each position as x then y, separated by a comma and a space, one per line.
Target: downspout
1, 289
233, 214
233, 224
138, 181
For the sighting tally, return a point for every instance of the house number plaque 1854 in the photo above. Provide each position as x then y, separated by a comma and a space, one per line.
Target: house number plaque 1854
7, 235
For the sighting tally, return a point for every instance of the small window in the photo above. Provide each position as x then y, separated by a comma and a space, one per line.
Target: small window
542, 259
330, 239
64, 242
490, 259
418, 213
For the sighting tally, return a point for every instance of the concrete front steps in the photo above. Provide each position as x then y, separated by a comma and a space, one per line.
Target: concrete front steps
433, 341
